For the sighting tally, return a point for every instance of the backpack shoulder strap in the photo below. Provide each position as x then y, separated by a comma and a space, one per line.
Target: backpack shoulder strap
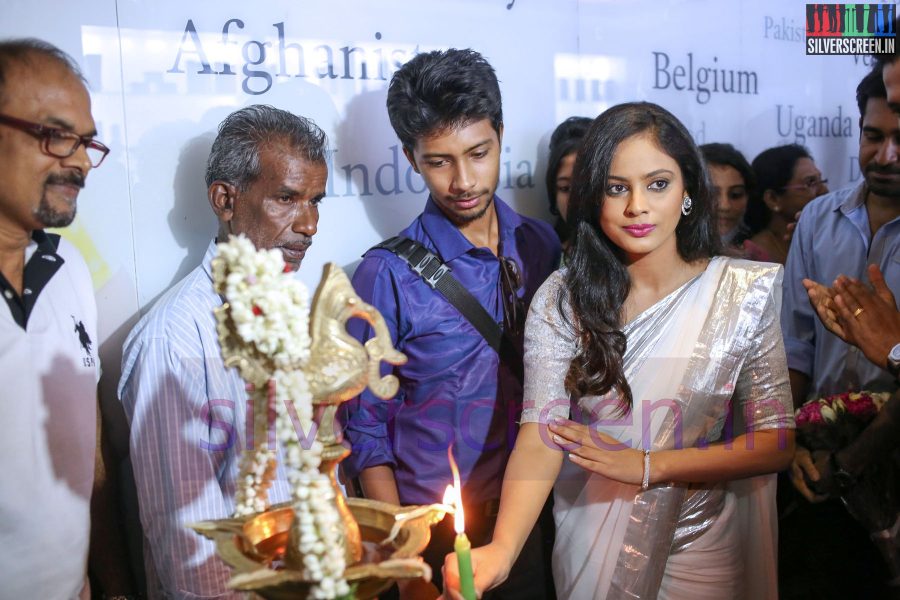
439, 277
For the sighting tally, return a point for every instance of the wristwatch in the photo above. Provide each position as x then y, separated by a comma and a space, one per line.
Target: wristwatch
843, 480
893, 361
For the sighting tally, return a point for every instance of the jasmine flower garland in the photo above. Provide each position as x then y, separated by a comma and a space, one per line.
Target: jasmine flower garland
268, 310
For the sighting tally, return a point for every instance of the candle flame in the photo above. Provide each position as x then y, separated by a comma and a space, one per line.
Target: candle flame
449, 496
459, 520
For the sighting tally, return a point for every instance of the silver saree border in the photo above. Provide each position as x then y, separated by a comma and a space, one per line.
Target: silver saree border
703, 399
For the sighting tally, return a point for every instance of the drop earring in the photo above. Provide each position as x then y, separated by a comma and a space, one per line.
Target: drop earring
687, 205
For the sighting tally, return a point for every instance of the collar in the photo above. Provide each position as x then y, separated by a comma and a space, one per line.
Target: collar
451, 243
211, 252
41, 264
854, 200
46, 243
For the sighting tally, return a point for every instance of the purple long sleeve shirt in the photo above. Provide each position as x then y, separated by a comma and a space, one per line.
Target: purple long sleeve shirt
451, 389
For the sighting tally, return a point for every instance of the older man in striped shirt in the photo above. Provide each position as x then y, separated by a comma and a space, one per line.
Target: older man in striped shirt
266, 176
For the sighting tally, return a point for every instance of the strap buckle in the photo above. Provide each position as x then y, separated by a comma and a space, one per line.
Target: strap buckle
431, 269
438, 277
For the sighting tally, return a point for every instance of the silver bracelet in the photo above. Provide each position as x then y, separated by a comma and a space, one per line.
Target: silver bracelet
645, 483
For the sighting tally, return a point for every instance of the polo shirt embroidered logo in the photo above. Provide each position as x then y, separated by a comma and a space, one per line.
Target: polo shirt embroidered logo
85, 340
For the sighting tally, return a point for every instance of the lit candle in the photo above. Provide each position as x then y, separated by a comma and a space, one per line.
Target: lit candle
461, 545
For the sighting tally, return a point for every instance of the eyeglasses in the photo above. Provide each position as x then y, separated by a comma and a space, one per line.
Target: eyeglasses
59, 142
810, 184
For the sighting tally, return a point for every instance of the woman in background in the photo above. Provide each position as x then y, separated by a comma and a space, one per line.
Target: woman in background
733, 182
787, 179
564, 144
651, 342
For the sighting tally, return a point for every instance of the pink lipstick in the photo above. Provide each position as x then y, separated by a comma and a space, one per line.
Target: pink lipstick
640, 230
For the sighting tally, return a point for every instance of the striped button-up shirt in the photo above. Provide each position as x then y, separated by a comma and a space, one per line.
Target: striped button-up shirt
188, 417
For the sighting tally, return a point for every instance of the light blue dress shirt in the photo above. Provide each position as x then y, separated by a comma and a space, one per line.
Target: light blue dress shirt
833, 238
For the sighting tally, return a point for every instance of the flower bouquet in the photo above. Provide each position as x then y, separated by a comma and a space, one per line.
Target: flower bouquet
832, 423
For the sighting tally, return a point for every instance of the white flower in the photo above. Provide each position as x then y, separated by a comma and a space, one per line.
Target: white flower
269, 311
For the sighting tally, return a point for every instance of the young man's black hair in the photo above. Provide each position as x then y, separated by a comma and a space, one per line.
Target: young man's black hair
442, 90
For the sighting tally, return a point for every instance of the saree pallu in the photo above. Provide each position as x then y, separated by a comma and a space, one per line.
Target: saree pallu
705, 363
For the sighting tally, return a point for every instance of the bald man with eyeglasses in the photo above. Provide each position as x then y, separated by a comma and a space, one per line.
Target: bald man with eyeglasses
49, 449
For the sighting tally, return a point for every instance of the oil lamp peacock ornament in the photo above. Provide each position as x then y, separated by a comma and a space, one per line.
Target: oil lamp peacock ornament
299, 367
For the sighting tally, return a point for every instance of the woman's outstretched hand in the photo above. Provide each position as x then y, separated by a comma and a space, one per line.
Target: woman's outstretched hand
598, 452
489, 564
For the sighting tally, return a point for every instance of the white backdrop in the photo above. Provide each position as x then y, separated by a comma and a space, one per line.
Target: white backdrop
163, 73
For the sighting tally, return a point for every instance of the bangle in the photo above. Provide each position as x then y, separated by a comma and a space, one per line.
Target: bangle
645, 483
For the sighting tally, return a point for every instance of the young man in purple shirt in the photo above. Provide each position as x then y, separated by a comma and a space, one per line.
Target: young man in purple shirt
456, 388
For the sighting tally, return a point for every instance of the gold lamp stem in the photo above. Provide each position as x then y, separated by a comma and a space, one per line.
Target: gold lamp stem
332, 454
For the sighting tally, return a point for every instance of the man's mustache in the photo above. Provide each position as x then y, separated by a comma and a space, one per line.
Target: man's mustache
883, 169
73, 178
301, 246
469, 196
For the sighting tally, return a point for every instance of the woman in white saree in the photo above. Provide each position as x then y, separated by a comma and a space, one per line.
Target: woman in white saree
668, 360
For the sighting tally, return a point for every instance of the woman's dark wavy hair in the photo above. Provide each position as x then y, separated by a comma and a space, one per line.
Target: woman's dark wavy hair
774, 168
597, 281
565, 140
